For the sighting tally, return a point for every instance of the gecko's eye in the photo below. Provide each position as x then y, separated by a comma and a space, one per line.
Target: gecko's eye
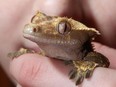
63, 27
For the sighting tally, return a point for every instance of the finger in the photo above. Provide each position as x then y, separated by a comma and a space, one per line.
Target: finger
66, 8
110, 53
102, 77
34, 70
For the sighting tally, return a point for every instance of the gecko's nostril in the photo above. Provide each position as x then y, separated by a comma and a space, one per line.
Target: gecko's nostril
34, 29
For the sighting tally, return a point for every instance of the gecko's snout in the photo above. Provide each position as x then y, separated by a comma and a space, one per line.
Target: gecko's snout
30, 29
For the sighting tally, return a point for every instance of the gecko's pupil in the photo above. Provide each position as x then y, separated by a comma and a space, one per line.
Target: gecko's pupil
63, 27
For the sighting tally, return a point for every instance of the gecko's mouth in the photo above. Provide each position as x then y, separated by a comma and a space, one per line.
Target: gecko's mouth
39, 38
28, 36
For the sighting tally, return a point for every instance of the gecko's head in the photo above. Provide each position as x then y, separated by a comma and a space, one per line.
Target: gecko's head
47, 30
62, 30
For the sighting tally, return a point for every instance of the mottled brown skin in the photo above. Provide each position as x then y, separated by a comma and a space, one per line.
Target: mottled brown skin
66, 39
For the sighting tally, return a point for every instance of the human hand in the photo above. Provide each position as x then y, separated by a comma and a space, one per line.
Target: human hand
15, 20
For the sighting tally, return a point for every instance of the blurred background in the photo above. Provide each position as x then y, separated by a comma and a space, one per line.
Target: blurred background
4, 79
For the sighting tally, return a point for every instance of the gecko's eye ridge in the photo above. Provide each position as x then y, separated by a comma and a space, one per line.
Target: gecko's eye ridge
63, 27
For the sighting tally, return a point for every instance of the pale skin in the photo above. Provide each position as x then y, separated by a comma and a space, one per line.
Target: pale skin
33, 70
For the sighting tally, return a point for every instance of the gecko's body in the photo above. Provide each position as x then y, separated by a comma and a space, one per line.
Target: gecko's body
66, 39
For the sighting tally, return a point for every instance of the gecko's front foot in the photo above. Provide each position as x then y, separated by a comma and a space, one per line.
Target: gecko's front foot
19, 53
84, 68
